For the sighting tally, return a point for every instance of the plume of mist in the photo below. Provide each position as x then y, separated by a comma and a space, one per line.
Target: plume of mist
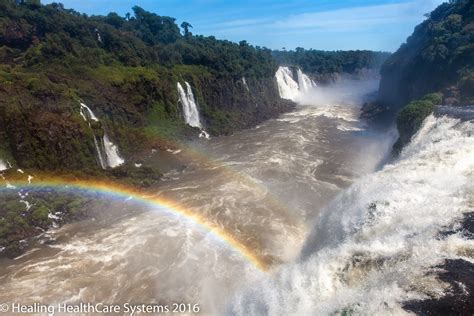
344, 91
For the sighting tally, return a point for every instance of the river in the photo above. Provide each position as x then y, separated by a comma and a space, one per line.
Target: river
269, 187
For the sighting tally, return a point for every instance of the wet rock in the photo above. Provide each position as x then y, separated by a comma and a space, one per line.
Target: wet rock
459, 274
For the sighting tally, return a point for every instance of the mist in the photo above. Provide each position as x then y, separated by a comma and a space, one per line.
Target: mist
345, 91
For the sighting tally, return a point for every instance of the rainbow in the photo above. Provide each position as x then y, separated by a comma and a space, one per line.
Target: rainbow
126, 192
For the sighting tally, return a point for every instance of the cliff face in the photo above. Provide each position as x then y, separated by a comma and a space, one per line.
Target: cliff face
126, 71
230, 104
44, 129
437, 57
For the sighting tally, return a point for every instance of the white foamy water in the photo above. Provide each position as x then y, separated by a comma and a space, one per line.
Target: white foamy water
304, 82
293, 88
100, 159
3, 166
87, 113
190, 110
112, 153
287, 86
372, 247
264, 186
107, 152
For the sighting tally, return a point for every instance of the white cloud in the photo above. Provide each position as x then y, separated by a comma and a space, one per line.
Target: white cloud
346, 19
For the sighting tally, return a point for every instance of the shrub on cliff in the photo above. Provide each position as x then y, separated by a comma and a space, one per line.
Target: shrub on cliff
410, 119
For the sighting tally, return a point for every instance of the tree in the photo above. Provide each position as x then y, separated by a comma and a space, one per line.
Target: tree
114, 19
185, 25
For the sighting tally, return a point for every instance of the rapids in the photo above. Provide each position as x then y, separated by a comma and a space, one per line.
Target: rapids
305, 191
376, 244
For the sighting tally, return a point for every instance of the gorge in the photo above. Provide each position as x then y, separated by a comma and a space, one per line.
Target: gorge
142, 165
237, 183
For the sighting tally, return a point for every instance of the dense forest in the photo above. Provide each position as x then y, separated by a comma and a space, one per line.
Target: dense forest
41, 34
126, 69
438, 56
436, 60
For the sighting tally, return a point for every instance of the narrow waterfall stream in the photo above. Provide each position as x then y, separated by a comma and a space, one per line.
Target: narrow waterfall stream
190, 110
107, 152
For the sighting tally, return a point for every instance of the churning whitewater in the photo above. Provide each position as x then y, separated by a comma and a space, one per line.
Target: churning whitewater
292, 88
288, 189
373, 247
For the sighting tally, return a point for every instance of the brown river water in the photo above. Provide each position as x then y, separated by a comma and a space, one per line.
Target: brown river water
265, 185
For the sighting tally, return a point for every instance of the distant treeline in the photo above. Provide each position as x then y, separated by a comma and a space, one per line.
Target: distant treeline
323, 62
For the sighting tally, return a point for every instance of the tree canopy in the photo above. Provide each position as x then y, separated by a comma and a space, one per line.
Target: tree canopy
439, 54
41, 34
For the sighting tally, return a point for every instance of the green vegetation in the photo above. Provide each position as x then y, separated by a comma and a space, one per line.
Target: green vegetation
434, 66
19, 222
45, 34
125, 69
329, 62
437, 57
410, 119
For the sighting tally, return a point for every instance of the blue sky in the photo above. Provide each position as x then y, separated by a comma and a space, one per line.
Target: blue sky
318, 24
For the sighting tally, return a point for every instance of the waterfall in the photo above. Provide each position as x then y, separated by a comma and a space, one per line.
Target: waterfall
244, 81
292, 89
190, 110
111, 152
3, 166
100, 158
87, 114
104, 147
304, 82
374, 247
287, 86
